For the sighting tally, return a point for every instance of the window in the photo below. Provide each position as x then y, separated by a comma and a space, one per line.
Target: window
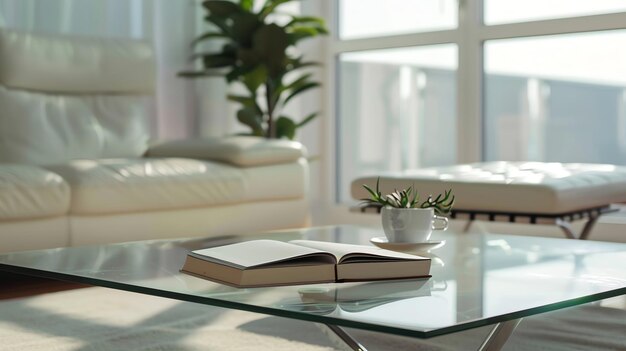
512, 11
438, 82
371, 18
395, 107
556, 98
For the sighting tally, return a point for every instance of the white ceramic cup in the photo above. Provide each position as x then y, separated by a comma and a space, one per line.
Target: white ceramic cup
411, 225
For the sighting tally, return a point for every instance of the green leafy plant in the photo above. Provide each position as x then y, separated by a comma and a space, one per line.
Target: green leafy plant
408, 198
258, 54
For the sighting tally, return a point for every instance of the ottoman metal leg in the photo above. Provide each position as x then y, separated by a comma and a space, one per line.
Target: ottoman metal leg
587, 228
567, 228
467, 226
569, 232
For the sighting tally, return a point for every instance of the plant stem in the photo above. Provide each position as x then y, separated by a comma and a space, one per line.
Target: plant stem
269, 92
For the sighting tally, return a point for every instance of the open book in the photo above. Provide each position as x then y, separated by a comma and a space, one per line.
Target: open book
270, 262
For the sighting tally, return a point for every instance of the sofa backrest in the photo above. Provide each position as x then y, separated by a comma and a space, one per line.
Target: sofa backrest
64, 98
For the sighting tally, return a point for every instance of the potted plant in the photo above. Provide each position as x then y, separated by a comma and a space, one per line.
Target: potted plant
257, 53
442, 204
405, 219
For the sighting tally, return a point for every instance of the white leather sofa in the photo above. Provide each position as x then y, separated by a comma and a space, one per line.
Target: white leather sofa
76, 167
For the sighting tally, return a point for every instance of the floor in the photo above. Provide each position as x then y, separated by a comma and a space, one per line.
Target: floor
14, 286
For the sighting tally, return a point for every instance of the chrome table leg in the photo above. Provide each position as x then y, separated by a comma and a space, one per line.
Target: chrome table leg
494, 341
499, 335
346, 338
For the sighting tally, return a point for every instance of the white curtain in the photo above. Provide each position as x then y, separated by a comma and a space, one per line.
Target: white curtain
169, 24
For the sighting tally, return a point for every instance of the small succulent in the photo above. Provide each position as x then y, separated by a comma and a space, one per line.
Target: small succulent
408, 198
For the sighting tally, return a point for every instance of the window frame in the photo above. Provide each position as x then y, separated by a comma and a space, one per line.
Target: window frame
469, 36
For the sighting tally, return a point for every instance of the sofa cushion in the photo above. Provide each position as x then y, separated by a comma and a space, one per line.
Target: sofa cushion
135, 185
37, 128
81, 65
243, 151
520, 187
29, 192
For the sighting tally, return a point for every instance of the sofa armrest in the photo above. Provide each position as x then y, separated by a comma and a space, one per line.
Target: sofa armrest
242, 151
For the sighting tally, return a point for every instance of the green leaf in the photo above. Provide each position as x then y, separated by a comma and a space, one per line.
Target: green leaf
255, 78
270, 6
252, 119
244, 26
199, 74
214, 60
305, 65
285, 127
230, 49
246, 4
369, 203
310, 29
291, 86
301, 89
271, 41
220, 23
306, 19
296, 63
217, 61
208, 35
199, 55
307, 119
295, 84
236, 73
247, 101
248, 57
415, 199
372, 193
298, 33
221, 8
407, 192
226, 51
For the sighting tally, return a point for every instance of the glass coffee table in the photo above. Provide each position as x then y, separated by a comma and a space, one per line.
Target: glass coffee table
477, 280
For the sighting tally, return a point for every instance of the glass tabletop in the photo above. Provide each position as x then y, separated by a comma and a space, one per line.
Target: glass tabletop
477, 279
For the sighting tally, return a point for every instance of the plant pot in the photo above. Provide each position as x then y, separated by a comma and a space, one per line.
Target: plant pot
411, 225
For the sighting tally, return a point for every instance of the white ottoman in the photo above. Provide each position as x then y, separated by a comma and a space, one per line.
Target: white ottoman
522, 192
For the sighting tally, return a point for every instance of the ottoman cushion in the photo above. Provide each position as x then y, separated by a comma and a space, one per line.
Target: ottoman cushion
516, 187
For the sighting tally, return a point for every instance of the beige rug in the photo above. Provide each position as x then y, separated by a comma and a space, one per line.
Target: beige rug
104, 319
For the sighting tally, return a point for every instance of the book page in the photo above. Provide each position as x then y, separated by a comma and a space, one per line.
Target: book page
356, 253
257, 253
